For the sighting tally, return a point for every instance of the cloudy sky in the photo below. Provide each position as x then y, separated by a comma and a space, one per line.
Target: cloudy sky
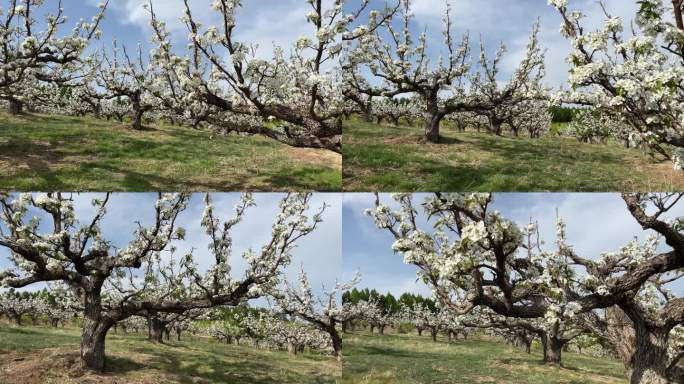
281, 22
319, 253
596, 223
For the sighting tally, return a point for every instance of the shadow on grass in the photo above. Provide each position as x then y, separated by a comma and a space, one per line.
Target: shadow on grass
188, 367
564, 366
43, 152
518, 165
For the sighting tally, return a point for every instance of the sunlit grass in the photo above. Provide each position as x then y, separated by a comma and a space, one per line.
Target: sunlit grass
51, 355
39, 152
387, 158
409, 359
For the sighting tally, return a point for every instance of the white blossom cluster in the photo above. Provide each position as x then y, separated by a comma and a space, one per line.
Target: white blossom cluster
636, 76
29, 56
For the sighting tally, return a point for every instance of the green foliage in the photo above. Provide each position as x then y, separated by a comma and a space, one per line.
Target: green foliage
387, 302
562, 114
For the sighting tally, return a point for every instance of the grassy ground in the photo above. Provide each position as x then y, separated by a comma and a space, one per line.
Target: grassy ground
39, 152
409, 359
32, 355
397, 158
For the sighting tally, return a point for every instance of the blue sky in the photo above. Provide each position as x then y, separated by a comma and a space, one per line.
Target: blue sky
596, 223
268, 22
319, 253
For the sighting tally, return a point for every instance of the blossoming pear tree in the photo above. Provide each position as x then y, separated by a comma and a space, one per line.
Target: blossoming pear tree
637, 75
14, 306
372, 313
401, 61
295, 99
477, 258
128, 78
510, 101
29, 53
47, 243
323, 312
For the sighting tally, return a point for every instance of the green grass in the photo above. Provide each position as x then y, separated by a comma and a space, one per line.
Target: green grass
40, 152
409, 359
45, 355
397, 159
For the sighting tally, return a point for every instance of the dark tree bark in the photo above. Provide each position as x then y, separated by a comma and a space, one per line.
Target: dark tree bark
16, 107
336, 343
138, 113
156, 330
432, 123
94, 333
553, 348
649, 362
495, 125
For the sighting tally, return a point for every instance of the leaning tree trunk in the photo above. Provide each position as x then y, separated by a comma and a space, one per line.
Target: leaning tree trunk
16, 107
93, 335
649, 362
553, 348
381, 329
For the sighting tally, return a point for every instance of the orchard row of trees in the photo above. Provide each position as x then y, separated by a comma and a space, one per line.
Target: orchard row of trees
356, 60
479, 263
38, 306
416, 313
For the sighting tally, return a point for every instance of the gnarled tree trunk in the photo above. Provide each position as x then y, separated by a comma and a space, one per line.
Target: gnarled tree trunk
553, 348
94, 333
495, 125
432, 116
156, 330
649, 362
